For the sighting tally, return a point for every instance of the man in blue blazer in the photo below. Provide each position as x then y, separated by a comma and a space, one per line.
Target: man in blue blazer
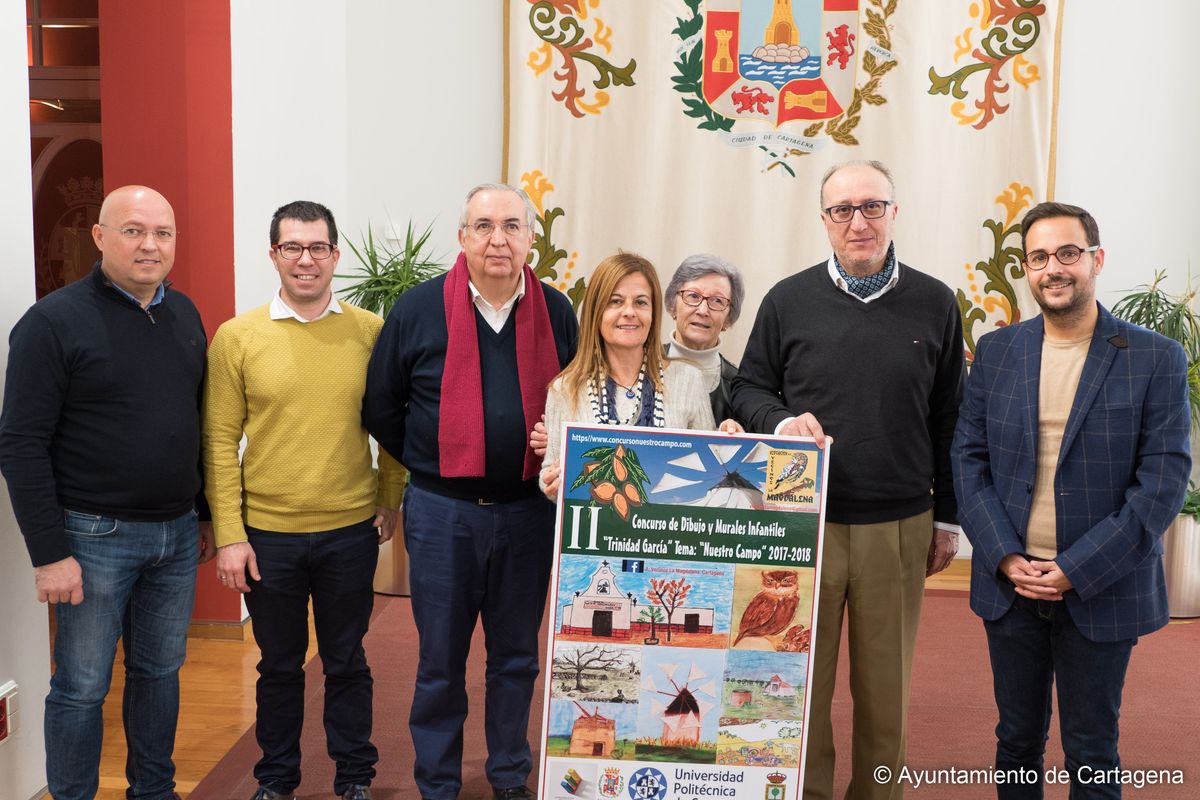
1071, 457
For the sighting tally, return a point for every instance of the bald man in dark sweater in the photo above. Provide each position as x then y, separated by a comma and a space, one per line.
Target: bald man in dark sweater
869, 351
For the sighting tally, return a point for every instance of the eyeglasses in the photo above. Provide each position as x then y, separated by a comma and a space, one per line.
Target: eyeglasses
716, 302
292, 250
484, 228
161, 235
872, 209
1067, 254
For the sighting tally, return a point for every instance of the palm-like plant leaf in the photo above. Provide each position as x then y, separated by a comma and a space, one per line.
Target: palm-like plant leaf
384, 273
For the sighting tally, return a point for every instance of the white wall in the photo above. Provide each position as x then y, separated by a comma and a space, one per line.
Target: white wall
24, 631
290, 114
1129, 137
384, 124
426, 109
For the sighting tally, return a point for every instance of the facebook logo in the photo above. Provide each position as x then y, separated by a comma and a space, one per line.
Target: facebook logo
631, 565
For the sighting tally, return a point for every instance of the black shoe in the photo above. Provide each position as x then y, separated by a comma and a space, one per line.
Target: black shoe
518, 793
357, 792
264, 793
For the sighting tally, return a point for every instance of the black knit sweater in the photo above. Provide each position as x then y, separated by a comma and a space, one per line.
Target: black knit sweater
101, 411
883, 379
402, 405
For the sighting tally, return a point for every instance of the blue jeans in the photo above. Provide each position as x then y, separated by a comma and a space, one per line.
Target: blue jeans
469, 561
139, 581
336, 569
1032, 647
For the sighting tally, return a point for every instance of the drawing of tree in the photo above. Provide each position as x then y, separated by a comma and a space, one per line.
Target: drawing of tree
653, 615
668, 594
584, 658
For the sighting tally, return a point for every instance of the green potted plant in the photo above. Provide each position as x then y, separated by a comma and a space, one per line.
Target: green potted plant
384, 273
1174, 316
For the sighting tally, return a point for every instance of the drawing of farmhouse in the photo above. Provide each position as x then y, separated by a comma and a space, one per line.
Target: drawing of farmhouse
778, 687
593, 734
604, 610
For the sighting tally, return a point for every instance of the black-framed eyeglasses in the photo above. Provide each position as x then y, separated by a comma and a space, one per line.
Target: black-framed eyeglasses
484, 228
1067, 254
872, 209
133, 234
716, 302
293, 250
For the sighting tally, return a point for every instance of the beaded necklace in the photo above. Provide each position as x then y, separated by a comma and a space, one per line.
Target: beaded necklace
603, 405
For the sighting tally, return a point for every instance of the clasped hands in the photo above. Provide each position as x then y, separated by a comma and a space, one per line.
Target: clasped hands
1037, 580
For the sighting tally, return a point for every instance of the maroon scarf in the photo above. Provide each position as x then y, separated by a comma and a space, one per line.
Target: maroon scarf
460, 417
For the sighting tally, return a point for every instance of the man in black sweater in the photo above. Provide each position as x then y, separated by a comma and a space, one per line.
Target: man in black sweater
457, 381
100, 446
870, 351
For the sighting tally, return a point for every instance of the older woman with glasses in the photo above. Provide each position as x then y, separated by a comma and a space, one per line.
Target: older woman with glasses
619, 375
705, 298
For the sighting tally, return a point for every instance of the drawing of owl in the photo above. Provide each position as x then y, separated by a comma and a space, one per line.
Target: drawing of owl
772, 608
796, 640
792, 472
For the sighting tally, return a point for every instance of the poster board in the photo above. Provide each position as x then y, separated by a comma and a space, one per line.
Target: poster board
686, 575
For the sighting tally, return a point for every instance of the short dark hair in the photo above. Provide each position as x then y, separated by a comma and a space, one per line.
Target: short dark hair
1091, 230
305, 211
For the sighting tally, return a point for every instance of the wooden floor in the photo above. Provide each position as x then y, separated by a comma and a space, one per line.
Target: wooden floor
216, 706
217, 703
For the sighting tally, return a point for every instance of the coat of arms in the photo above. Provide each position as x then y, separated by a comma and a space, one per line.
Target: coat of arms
769, 67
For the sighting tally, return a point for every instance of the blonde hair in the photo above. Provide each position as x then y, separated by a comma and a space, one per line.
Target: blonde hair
590, 363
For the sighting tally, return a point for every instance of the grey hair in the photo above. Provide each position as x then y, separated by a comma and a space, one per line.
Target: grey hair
530, 210
878, 166
697, 266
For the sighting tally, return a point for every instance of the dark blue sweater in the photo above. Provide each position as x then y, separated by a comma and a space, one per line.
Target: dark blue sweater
101, 411
404, 390
883, 378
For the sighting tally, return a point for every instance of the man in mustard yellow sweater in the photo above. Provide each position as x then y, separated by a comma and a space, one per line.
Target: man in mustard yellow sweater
302, 513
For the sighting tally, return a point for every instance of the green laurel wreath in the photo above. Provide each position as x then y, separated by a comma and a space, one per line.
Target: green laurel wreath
691, 70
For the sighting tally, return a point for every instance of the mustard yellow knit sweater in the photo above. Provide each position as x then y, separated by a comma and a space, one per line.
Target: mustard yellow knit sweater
295, 391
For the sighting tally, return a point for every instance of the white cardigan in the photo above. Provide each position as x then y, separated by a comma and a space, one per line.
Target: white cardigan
685, 405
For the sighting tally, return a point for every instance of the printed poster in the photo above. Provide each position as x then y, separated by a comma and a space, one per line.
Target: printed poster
685, 586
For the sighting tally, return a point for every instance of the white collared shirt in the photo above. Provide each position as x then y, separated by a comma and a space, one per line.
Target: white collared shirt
840, 282
496, 317
281, 310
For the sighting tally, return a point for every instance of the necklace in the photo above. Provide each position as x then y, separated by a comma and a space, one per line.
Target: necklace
604, 409
629, 393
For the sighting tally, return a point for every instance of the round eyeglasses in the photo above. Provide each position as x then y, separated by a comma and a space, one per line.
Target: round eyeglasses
872, 209
1067, 255
133, 234
484, 228
716, 302
292, 250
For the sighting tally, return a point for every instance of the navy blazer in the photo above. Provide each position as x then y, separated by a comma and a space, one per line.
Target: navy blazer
1121, 476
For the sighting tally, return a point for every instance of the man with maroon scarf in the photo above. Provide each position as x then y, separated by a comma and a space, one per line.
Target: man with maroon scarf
456, 383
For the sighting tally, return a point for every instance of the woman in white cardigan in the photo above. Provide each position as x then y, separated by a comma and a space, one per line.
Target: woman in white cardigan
619, 375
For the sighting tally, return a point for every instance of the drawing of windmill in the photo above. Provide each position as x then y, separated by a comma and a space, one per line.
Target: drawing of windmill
593, 734
682, 716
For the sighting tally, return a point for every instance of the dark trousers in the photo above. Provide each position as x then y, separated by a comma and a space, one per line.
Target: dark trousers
1032, 647
335, 568
469, 561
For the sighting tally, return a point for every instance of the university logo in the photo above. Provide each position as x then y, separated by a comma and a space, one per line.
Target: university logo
648, 784
611, 782
783, 74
